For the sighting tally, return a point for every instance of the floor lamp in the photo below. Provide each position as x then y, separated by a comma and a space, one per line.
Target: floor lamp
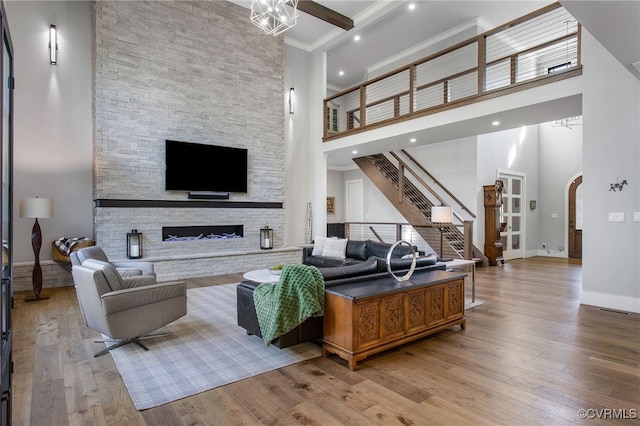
442, 215
36, 208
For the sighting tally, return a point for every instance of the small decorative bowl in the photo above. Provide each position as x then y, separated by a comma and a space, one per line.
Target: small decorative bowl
275, 271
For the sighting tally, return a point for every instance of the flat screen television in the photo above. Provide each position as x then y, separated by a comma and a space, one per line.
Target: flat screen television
206, 168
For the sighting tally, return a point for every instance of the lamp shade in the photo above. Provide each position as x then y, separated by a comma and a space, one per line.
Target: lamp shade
36, 207
441, 214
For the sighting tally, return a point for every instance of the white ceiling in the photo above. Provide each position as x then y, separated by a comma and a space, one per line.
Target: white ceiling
387, 27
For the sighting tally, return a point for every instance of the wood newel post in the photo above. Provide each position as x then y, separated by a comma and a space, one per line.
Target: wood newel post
445, 94
400, 182
513, 65
579, 41
325, 119
482, 66
412, 72
363, 106
468, 239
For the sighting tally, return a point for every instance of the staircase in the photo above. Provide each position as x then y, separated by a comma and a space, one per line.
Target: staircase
415, 206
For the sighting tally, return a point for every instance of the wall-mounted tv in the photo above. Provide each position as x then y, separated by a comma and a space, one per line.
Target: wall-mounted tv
200, 167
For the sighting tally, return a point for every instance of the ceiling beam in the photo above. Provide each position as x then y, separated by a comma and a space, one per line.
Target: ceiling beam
324, 13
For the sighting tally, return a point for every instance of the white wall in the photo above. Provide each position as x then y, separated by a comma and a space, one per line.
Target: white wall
513, 150
376, 206
454, 164
298, 150
560, 152
611, 146
336, 188
53, 147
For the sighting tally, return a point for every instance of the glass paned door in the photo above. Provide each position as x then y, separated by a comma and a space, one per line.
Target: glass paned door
512, 215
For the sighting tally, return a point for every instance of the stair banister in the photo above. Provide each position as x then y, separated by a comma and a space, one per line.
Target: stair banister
401, 168
403, 165
437, 182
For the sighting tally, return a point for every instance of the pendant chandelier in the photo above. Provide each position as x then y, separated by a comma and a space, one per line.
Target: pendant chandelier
274, 16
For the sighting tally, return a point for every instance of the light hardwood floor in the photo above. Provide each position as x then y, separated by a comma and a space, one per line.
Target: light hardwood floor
531, 355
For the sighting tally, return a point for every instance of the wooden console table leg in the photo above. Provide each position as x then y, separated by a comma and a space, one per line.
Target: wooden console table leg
352, 363
325, 352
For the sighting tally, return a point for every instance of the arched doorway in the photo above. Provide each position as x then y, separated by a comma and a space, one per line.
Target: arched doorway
575, 218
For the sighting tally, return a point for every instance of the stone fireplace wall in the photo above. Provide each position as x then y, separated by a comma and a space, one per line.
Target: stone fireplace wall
194, 72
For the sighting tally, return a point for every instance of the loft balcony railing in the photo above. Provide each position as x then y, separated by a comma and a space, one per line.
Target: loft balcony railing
539, 48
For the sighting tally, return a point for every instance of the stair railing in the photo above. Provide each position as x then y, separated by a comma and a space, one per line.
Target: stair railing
539, 48
467, 225
439, 184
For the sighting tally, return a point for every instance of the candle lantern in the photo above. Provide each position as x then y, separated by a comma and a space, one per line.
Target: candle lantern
266, 238
134, 244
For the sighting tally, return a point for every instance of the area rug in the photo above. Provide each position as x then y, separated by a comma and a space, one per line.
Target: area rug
206, 349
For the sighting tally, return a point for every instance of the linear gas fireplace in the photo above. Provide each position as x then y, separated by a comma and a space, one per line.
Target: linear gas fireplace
192, 233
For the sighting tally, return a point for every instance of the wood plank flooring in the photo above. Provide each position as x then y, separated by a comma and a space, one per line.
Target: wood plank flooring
531, 355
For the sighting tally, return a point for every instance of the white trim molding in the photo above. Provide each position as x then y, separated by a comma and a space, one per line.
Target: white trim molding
610, 301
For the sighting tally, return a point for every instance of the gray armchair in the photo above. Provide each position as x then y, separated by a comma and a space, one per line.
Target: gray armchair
126, 268
125, 310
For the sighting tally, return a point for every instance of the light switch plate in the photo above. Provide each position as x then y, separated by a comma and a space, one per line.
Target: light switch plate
554, 215
616, 217
636, 216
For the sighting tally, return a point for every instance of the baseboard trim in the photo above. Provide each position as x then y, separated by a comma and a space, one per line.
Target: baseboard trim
609, 301
552, 254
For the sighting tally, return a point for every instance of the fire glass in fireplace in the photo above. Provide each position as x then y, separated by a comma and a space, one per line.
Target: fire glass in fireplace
191, 233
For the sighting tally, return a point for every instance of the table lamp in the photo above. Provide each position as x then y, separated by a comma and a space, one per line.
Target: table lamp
36, 208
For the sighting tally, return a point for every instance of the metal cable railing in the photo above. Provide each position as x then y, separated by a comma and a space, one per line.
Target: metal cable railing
536, 48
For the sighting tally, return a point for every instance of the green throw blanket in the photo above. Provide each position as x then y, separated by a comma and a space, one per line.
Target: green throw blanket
283, 306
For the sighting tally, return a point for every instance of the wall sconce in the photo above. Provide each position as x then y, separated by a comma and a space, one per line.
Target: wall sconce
532, 204
53, 45
266, 238
291, 94
134, 244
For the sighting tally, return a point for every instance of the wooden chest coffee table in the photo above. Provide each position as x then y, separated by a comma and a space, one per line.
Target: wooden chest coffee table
370, 316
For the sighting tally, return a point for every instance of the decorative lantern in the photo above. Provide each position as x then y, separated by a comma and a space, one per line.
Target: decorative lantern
266, 238
134, 244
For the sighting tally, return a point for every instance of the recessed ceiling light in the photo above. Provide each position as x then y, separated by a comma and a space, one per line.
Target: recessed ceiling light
354, 152
412, 140
340, 72
356, 37
412, 6
496, 123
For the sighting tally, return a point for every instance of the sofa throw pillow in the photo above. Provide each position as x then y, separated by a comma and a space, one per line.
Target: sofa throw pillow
335, 247
318, 245
357, 250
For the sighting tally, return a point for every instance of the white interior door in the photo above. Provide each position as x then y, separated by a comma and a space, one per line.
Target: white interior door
512, 214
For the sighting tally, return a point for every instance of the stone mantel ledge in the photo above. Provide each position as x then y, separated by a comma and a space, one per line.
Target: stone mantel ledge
216, 254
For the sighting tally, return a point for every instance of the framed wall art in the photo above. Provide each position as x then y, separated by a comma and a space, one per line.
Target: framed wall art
331, 205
